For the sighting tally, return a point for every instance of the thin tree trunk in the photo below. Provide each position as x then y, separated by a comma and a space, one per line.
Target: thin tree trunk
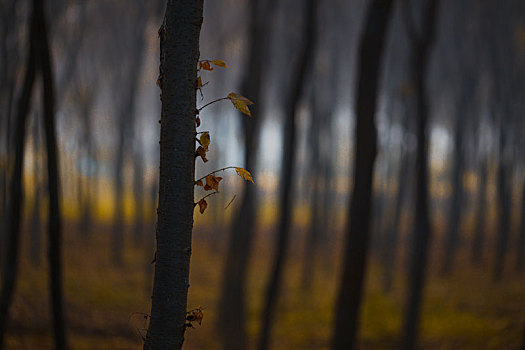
520, 249
232, 305
422, 231
454, 216
53, 177
179, 54
393, 232
273, 287
16, 187
480, 222
125, 124
358, 226
35, 223
504, 201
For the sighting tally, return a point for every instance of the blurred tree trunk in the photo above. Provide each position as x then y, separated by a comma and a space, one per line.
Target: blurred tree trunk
35, 222
371, 49
421, 50
232, 305
10, 267
313, 181
138, 190
393, 232
179, 54
126, 118
504, 201
299, 71
456, 205
53, 175
481, 211
520, 249
86, 187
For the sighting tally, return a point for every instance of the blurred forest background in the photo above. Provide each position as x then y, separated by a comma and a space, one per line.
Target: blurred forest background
267, 258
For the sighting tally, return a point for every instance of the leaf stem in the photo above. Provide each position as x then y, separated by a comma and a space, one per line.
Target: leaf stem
206, 196
215, 171
209, 103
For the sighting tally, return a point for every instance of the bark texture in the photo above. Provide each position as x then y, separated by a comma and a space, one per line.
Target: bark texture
179, 53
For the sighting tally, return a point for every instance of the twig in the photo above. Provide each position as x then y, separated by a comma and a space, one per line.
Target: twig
209, 103
206, 196
213, 172
233, 198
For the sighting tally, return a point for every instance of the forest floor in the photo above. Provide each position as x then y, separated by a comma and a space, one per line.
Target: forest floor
105, 305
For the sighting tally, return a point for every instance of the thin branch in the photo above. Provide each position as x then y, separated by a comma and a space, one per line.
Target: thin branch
234, 196
206, 196
209, 103
215, 171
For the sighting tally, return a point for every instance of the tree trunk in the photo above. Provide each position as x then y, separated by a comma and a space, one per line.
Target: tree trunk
504, 202
455, 207
232, 305
273, 287
480, 221
422, 232
179, 54
520, 249
53, 176
126, 119
10, 266
358, 225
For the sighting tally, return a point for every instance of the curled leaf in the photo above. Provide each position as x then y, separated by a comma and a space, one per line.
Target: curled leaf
199, 183
198, 121
212, 182
205, 65
240, 102
202, 205
245, 174
205, 140
202, 153
219, 63
199, 82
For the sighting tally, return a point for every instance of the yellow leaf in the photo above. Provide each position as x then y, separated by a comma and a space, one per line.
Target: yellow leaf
205, 140
212, 182
202, 205
240, 103
245, 174
219, 63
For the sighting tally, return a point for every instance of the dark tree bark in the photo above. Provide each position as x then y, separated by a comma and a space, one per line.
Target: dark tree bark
179, 54
358, 225
232, 305
10, 266
300, 70
421, 49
